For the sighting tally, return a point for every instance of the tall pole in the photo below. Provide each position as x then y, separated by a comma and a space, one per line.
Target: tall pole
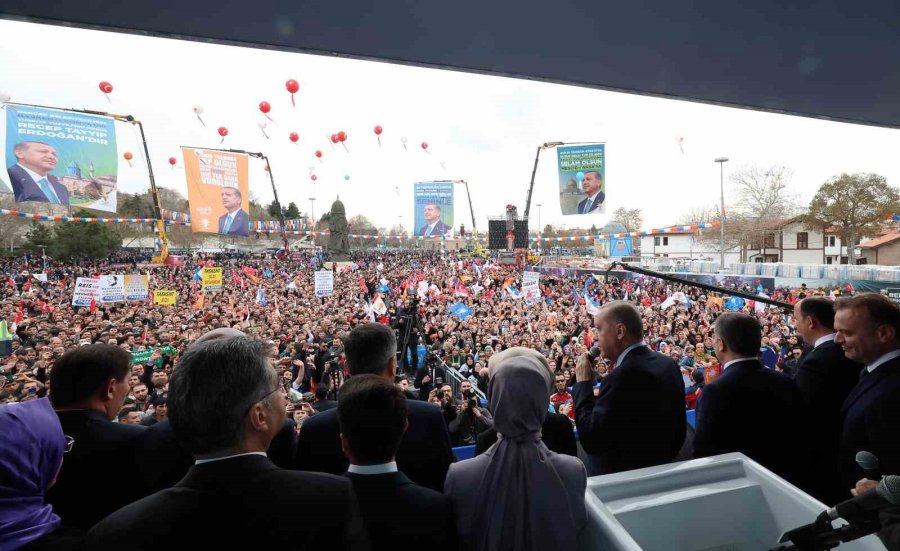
539, 205
312, 212
721, 161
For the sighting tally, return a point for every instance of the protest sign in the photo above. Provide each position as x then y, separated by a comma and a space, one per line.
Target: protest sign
112, 288
136, 287
86, 290
165, 297
324, 283
211, 279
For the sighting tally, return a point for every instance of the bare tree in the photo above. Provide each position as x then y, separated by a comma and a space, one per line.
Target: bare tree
763, 193
12, 228
632, 219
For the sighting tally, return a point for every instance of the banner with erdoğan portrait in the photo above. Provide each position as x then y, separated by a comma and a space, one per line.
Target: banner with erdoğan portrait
60, 157
218, 191
433, 216
112, 288
136, 287
582, 178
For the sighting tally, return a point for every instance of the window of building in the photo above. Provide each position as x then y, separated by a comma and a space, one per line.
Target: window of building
829, 260
665, 241
831, 241
844, 260
770, 240
802, 240
656, 242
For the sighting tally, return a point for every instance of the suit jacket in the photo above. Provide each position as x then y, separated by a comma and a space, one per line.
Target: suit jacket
401, 515
759, 412
97, 476
871, 422
598, 201
556, 433
239, 226
825, 378
424, 454
439, 229
239, 503
638, 419
26, 189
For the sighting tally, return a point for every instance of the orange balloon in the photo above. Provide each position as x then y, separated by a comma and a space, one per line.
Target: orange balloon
128, 156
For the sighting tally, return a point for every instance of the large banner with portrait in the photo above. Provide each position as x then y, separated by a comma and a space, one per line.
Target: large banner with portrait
433, 216
582, 179
60, 157
218, 191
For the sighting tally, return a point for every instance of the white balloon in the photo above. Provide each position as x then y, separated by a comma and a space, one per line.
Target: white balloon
403, 139
198, 109
261, 124
4, 97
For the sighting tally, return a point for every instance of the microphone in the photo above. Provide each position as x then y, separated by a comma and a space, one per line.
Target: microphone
869, 464
886, 494
594, 353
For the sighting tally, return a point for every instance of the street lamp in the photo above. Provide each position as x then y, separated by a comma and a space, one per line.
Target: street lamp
539, 205
721, 161
312, 212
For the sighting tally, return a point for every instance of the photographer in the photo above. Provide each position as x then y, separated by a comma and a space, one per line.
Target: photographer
430, 376
471, 419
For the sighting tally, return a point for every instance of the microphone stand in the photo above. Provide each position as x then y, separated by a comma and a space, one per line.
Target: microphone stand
821, 535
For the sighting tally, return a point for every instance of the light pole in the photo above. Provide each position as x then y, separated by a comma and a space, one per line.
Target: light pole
312, 212
539, 205
721, 161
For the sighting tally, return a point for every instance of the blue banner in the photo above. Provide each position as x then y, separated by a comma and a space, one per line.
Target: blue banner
61, 157
620, 247
461, 311
433, 216
582, 179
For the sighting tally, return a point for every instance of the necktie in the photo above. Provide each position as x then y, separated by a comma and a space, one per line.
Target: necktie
48, 191
428, 233
864, 373
587, 206
227, 227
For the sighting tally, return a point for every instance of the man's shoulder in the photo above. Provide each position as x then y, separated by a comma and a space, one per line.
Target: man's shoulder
319, 423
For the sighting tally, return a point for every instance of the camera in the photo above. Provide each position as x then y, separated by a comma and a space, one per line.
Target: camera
469, 394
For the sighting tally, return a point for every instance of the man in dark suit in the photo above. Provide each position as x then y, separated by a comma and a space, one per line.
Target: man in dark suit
556, 434
30, 176
825, 377
88, 386
867, 326
233, 485
424, 455
591, 185
638, 419
373, 417
434, 226
749, 408
235, 221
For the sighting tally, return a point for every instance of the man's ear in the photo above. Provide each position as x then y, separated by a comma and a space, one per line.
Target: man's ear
110, 391
392, 367
259, 417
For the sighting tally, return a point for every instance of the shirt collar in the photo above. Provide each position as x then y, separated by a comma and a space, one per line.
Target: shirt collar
625, 352
202, 461
824, 339
382, 468
883, 359
34, 175
592, 198
724, 367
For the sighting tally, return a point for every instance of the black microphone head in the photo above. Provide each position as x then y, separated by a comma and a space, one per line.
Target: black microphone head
889, 489
867, 461
594, 353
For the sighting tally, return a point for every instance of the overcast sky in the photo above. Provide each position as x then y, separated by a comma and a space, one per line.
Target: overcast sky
481, 129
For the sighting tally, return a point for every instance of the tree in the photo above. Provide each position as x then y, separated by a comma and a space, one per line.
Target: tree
12, 228
76, 240
273, 209
632, 219
39, 235
763, 193
857, 204
548, 231
292, 212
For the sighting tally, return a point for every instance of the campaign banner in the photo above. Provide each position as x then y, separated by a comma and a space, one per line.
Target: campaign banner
531, 285
42, 277
218, 191
136, 287
582, 179
324, 283
143, 356
211, 279
86, 290
112, 288
165, 297
620, 246
61, 157
433, 216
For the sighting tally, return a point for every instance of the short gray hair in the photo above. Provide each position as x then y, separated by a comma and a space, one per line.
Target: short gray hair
620, 311
212, 388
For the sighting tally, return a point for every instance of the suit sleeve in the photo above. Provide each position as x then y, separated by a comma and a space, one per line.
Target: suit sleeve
564, 437
600, 420
707, 425
355, 536
443, 451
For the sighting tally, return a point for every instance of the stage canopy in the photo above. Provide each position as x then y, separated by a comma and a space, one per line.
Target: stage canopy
824, 58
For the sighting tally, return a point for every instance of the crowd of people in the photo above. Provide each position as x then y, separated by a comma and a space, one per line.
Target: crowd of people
166, 411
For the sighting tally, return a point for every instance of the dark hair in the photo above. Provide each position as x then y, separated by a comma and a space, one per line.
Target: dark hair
82, 372
210, 392
322, 390
881, 309
742, 333
371, 412
820, 309
369, 349
619, 311
123, 413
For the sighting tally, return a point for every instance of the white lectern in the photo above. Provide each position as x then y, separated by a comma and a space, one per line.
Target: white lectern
723, 503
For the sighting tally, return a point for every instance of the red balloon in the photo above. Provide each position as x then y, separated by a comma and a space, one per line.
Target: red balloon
264, 106
172, 161
342, 136
294, 137
292, 86
106, 87
128, 156
314, 177
318, 154
334, 138
377, 130
424, 145
223, 131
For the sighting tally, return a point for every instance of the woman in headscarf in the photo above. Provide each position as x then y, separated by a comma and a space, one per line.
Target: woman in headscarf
31, 452
518, 495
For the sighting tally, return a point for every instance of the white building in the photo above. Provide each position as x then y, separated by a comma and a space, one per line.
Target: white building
792, 242
686, 245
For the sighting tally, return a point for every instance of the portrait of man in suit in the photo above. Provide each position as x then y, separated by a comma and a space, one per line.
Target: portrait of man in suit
434, 226
30, 176
594, 196
235, 221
